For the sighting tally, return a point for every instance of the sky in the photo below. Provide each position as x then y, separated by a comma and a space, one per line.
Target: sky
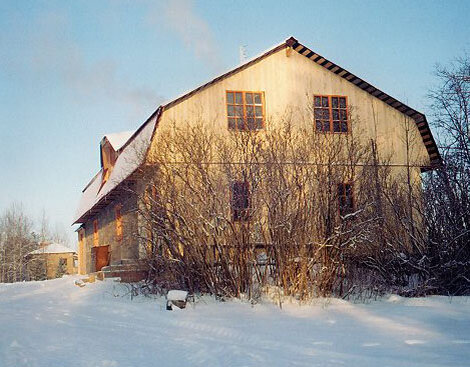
73, 70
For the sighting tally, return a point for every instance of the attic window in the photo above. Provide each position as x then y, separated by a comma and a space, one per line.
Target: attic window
331, 114
245, 110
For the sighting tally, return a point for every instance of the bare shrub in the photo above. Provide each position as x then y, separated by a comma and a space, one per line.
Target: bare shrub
292, 228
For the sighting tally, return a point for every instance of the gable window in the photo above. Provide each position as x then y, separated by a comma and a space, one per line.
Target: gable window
117, 211
240, 202
331, 114
96, 239
245, 110
345, 199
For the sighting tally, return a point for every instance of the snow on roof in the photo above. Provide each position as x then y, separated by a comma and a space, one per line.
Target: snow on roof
53, 248
130, 158
89, 195
117, 140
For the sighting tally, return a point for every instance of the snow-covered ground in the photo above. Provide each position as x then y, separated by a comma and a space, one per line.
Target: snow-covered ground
55, 323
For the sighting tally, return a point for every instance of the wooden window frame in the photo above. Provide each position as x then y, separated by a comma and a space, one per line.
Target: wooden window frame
244, 106
96, 235
342, 210
330, 114
118, 219
240, 214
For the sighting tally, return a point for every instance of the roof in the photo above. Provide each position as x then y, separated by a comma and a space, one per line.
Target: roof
93, 194
117, 140
53, 248
130, 157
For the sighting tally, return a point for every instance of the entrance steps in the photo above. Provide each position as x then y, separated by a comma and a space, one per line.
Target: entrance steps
129, 271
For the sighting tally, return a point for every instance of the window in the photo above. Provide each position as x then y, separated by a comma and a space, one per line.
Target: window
96, 239
245, 110
345, 198
240, 201
331, 114
117, 211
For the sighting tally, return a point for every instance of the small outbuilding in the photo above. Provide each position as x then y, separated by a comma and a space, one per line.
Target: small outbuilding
51, 260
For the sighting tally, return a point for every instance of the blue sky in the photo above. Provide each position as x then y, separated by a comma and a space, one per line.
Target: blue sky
71, 71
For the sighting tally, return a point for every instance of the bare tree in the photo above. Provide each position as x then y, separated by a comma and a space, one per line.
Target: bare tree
48, 233
447, 193
16, 240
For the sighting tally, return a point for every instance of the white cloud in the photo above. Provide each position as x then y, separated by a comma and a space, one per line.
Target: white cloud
55, 55
181, 17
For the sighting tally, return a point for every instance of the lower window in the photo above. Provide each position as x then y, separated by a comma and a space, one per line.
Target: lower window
240, 201
345, 199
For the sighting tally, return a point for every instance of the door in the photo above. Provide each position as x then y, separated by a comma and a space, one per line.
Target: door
101, 257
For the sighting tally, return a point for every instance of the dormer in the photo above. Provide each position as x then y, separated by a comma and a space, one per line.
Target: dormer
110, 147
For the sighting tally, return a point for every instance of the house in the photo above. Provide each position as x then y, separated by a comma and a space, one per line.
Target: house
289, 76
51, 260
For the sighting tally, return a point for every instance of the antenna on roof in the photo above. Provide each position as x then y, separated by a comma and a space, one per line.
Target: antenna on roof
242, 54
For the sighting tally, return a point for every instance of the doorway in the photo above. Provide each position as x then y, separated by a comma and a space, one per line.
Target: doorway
101, 257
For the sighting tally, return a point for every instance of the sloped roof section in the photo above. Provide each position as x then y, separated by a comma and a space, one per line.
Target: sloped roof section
89, 194
117, 140
131, 156
53, 248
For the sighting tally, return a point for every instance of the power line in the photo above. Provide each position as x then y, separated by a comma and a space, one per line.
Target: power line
300, 163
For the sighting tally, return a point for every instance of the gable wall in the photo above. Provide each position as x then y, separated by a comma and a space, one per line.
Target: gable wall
289, 84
